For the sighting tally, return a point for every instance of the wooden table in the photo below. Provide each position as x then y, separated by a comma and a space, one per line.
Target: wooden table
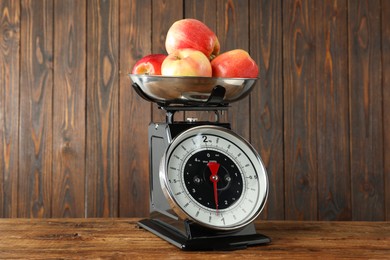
122, 239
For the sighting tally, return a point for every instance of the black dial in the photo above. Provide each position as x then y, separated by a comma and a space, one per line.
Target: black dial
199, 183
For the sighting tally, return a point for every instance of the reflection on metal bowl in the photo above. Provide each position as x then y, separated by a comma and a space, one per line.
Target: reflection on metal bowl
191, 89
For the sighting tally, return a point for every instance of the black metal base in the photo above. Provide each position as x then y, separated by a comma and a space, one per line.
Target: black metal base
201, 239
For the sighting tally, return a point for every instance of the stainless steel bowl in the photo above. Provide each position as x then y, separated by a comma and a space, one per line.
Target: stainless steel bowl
191, 89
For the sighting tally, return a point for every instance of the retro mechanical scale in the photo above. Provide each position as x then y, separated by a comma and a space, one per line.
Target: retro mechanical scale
207, 183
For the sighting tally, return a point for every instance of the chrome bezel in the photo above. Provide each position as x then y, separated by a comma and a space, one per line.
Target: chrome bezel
253, 156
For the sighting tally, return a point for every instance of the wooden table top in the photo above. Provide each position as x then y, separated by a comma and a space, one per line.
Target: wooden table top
123, 239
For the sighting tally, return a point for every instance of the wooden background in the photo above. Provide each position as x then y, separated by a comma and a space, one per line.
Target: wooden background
73, 139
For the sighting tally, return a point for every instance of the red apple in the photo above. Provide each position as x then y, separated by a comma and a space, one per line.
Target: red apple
234, 64
192, 33
186, 62
149, 65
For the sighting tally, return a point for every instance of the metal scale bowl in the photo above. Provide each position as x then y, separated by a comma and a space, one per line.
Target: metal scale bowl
207, 184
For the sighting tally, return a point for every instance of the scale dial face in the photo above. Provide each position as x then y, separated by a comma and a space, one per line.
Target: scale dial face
214, 177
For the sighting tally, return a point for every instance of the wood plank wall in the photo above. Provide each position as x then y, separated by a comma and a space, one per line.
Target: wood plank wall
73, 139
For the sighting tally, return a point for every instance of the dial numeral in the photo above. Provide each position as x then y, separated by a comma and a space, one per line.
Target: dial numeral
174, 181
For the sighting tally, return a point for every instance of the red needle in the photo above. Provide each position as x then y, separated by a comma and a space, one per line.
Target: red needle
214, 166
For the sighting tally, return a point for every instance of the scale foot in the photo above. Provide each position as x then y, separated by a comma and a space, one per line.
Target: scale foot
230, 241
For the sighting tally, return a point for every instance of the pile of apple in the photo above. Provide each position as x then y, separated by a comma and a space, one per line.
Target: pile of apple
193, 50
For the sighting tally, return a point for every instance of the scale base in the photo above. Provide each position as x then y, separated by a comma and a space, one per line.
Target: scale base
199, 242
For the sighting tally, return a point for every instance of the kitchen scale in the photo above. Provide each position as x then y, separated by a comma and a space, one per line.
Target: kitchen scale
207, 183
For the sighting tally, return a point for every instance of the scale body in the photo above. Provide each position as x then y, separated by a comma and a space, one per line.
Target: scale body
207, 184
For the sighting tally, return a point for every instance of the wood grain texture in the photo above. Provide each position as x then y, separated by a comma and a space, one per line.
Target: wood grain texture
73, 132
299, 110
266, 111
165, 13
69, 108
135, 112
102, 108
334, 180
386, 101
366, 135
36, 100
232, 24
122, 239
9, 105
